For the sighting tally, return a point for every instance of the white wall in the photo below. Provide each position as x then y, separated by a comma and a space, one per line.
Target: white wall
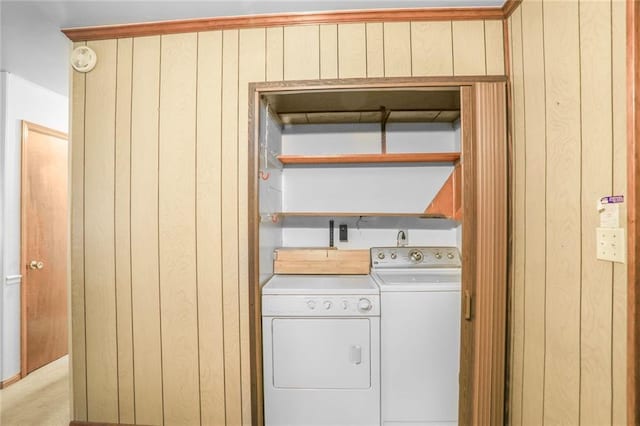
367, 232
270, 186
23, 100
32, 45
379, 189
407, 188
3, 83
317, 139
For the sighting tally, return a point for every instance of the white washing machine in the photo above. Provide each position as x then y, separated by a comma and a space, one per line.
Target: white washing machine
420, 334
321, 350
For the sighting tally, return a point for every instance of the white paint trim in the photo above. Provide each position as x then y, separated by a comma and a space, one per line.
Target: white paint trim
13, 280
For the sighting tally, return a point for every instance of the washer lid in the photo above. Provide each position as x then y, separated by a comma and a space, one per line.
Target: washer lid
418, 280
321, 284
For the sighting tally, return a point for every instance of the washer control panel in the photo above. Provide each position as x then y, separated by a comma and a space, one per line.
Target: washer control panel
321, 305
415, 257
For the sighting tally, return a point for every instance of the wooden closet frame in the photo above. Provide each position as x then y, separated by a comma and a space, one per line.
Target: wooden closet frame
485, 237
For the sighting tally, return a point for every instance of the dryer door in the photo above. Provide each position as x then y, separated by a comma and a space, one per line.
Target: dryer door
321, 353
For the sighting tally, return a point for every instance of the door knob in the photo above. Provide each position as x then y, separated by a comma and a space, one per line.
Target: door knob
36, 264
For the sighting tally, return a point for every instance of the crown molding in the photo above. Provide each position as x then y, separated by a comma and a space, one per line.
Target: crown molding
509, 7
287, 19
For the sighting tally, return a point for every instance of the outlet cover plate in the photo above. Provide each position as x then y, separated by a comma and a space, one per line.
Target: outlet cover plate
610, 244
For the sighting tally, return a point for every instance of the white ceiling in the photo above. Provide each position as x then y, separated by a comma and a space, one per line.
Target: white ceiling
88, 13
33, 47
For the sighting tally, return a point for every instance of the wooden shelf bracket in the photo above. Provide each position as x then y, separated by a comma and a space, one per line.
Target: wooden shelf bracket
448, 201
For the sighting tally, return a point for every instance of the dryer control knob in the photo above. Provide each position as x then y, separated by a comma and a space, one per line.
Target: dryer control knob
311, 304
364, 305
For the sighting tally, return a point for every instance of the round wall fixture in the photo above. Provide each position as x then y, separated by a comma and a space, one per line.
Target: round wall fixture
83, 59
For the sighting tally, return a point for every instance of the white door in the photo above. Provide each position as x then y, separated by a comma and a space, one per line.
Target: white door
321, 353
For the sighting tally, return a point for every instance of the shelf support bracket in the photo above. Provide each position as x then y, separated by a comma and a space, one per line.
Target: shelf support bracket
384, 116
448, 201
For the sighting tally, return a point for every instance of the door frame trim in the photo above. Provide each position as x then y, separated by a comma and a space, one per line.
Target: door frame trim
487, 408
26, 128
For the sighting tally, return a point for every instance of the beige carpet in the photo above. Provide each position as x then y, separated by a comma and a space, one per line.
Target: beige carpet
40, 399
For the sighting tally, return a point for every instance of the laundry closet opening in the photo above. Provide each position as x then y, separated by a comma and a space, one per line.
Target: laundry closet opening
377, 180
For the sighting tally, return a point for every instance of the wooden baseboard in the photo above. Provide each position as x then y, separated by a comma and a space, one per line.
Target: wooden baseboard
11, 380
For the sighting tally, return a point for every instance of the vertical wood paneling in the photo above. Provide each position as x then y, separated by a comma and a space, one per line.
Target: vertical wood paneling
301, 52
375, 49
329, 51
596, 302
99, 249
519, 230
252, 56
619, 327
352, 50
122, 231
468, 48
209, 230
230, 261
177, 229
633, 211
574, 373
275, 54
145, 296
78, 370
550, 179
534, 212
494, 47
431, 47
397, 49
563, 260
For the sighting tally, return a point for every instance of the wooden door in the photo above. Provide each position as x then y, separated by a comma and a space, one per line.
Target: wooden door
44, 230
484, 248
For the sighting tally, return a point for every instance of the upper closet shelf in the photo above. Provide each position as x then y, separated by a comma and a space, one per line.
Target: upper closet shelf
411, 105
437, 157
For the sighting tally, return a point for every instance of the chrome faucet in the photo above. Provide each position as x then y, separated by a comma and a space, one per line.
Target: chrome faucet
401, 239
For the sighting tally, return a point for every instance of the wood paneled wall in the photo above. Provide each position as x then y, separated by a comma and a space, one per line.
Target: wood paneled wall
568, 309
160, 287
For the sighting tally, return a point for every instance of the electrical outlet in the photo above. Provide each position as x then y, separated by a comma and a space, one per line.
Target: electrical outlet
610, 244
344, 235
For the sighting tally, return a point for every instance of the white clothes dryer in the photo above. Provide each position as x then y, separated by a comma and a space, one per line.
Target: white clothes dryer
321, 350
